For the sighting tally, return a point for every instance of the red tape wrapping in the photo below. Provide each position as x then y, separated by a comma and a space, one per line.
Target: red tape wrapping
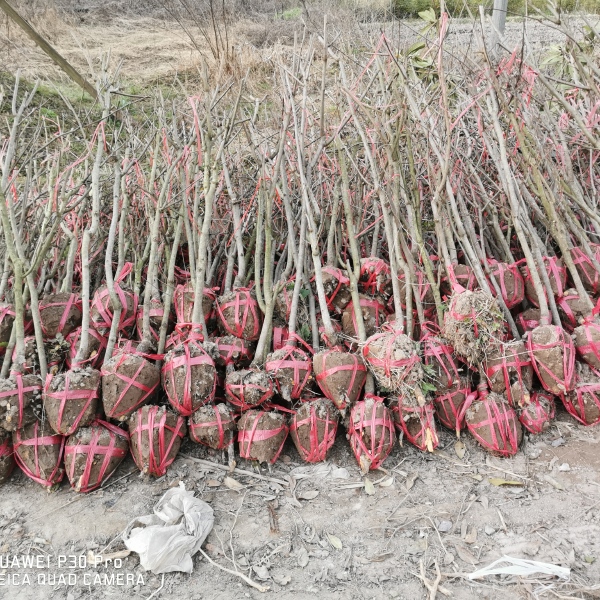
374, 275
73, 339
38, 443
557, 273
371, 305
512, 363
185, 406
591, 349
434, 349
244, 306
380, 444
564, 304
280, 337
220, 422
236, 394
319, 445
354, 366
183, 301
103, 320
585, 267
233, 352
247, 437
538, 412
295, 360
73, 301
156, 312
526, 324
131, 382
387, 363
157, 463
575, 403
567, 382
68, 395
501, 271
448, 407
426, 434
93, 451
19, 392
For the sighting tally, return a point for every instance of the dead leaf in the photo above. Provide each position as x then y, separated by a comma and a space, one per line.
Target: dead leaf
369, 487
233, 484
476, 477
302, 557
498, 481
335, 541
471, 537
460, 449
381, 557
387, 482
484, 502
307, 495
465, 555
213, 483
410, 480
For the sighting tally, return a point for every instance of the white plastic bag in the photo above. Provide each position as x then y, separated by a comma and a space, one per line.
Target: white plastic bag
167, 540
521, 567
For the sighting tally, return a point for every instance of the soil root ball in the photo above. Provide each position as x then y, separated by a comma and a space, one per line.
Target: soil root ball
291, 368
213, 425
572, 309
234, 351
448, 405
464, 276
189, 377
239, 314
7, 458
538, 414
155, 437
92, 454
313, 429
157, 311
438, 358
373, 314
416, 422
340, 375
583, 402
96, 346
32, 360
128, 381
102, 310
420, 287
371, 432
587, 342
509, 280
261, 435
508, 369
71, 399
553, 355
392, 358
375, 277
493, 422
248, 388
336, 288
7, 318
183, 300
60, 313
557, 274
528, 320
20, 401
585, 267
39, 453
473, 325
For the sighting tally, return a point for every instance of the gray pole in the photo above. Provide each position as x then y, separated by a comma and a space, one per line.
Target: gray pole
498, 23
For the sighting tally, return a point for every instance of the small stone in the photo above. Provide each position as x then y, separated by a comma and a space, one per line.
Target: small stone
558, 442
489, 530
444, 526
564, 467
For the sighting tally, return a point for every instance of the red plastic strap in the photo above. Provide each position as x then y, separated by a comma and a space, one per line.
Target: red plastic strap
534, 415
444, 355
510, 360
38, 442
592, 347
425, 416
185, 405
6, 448
559, 273
154, 312
341, 279
243, 299
130, 347
355, 367
236, 394
317, 451
580, 259
74, 338
288, 361
183, 300
422, 284
570, 321
575, 402
157, 465
448, 411
66, 395
92, 451
131, 382
386, 363
380, 446
499, 271
219, 423
259, 435
106, 314
527, 324
371, 269
568, 354
280, 337
372, 305
74, 300
20, 393
227, 351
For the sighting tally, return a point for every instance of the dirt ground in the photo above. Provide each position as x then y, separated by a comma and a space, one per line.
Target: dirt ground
343, 543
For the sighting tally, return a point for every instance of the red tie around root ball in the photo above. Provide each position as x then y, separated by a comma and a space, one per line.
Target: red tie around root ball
537, 415
492, 422
291, 368
336, 287
313, 429
417, 423
373, 313
234, 351
102, 311
70, 399
183, 301
553, 356
20, 400
247, 389
39, 452
583, 403
128, 381
213, 425
7, 458
371, 432
60, 313
508, 369
587, 342
155, 437
585, 267
189, 377
261, 435
572, 309
462, 276
420, 286
157, 312
375, 277
340, 375
92, 455
528, 320
239, 314
557, 274
448, 405
280, 336
509, 280
96, 346
438, 354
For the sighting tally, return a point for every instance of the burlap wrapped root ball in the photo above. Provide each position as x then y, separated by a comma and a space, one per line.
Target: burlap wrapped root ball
39, 453
416, 421
20, 401
340, 375
128, 381
71, 399
313, 429
7, 458
213, 425
536, 416
155, 436
583, 401
60, 314
248, 388
261, 435
291, 369
474, 325
509, 370
92, 455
